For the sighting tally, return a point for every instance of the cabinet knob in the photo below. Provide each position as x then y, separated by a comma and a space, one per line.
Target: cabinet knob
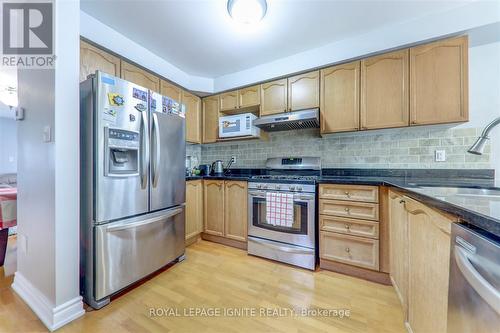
402, 201
347, 194
347, 250
346, 209
347, 226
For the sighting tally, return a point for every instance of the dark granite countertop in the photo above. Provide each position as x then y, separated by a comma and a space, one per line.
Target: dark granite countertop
480, 211
436, 188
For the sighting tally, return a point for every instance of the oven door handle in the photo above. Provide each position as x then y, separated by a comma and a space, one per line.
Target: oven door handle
299, 197
281, 248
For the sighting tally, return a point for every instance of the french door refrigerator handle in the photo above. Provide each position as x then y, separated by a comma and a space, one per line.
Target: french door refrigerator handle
145, 150
156, 131
477, 282
126, 226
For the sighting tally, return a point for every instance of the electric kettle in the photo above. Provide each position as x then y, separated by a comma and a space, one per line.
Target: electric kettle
218, 167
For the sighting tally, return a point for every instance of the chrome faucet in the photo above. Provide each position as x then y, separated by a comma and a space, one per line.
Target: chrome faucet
478, 147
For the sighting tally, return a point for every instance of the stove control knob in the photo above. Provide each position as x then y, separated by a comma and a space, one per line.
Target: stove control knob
292, 188
259, 186
278, 187
264, 187
299, 188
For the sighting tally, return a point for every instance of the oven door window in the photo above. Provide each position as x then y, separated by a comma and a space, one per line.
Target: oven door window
299, 217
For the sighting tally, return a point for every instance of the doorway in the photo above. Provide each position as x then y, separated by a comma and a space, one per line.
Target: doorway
8, 173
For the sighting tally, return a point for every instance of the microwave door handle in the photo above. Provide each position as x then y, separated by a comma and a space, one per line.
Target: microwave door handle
145, 150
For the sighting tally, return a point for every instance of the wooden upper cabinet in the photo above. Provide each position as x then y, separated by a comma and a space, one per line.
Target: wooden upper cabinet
384, 91
210, 119
429, 267
194, 208
228, 100
170, 90
273, 97
439, 82
235, 208
214, 207
139, 76
193, 117
249, 96
340, 98
303, 91
93, 59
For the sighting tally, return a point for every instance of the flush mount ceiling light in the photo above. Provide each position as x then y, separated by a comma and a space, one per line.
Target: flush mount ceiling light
247, 11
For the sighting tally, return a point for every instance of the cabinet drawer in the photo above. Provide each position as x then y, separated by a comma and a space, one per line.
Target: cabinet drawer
347, 226
349, 192
351, 250
357, 210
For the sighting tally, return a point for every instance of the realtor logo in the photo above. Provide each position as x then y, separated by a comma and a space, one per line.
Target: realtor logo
27, 28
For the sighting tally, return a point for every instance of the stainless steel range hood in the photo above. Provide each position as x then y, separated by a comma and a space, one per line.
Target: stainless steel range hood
289, 121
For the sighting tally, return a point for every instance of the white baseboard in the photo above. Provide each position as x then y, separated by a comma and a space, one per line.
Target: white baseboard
53, 317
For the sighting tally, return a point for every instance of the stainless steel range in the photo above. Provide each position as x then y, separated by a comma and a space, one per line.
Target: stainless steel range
289, 240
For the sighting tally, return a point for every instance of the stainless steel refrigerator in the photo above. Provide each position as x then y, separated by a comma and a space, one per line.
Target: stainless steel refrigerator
132, 185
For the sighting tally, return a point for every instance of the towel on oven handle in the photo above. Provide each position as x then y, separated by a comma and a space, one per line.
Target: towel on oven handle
279, 209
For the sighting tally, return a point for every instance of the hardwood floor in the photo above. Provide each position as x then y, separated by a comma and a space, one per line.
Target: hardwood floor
216, 276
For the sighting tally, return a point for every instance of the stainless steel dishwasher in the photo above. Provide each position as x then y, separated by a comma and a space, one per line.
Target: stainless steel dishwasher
474, 291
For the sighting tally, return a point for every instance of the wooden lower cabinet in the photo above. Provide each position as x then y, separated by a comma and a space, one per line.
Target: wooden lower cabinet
235, 210
428, 267
213, 195
352, 231
194, 208
225, 212
398, 247
420, 262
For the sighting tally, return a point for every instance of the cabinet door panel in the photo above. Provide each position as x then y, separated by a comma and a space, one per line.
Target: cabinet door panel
214, 207
210, 119
384, 91
273, 97
235, 210
194, 208
170, 90
340, 98
439, 82
139, 76
193, 117
228, 101
249, 96
398, 247
93, 59
303, 91
429, 266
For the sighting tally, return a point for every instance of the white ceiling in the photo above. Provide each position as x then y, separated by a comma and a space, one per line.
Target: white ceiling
199, 38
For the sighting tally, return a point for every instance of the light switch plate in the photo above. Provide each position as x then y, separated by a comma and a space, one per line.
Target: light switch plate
440, 155
47, 134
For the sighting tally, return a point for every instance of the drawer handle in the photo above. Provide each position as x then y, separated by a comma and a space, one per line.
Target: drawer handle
347, 250
347, 226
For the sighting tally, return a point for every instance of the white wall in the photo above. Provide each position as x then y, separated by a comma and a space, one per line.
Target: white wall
47, 278
111, 39
420, 29
8, 146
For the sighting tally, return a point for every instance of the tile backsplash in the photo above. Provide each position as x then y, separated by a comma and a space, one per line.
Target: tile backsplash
412, 147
